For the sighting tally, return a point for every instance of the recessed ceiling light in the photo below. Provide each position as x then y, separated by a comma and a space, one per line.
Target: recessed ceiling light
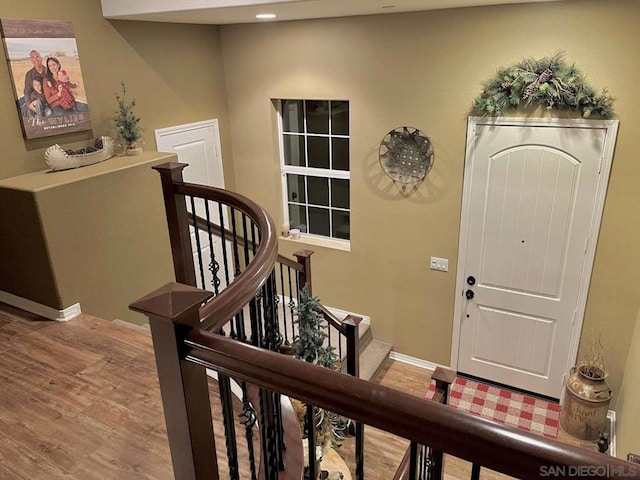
266, 16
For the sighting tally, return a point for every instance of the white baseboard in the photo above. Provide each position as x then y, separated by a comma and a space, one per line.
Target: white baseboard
416, 362
45, 311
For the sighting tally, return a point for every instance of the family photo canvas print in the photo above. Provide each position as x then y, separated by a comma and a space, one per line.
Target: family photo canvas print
44, 67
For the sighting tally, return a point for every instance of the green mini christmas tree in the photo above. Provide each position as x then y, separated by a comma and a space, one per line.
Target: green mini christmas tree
127, 124
308, 345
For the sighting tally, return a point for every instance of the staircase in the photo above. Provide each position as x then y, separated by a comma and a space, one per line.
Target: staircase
373, 353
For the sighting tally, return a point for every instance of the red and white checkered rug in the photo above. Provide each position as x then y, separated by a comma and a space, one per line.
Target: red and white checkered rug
504, 406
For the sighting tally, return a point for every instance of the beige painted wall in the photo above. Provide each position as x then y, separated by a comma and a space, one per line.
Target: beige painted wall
423, 70
173, 71
628, 406
175, 74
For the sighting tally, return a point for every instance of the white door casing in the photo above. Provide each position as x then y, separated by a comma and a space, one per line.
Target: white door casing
532, 202
198, 144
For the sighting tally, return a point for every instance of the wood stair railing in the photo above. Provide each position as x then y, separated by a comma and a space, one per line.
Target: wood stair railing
492, 445
245, 298
482, 442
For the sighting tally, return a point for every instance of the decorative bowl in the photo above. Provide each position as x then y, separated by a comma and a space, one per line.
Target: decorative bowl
59, 159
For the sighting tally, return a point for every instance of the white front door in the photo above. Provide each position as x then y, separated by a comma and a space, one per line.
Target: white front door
198, 144
532, 203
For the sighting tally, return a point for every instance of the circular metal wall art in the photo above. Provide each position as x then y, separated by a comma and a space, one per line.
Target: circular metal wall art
406, 155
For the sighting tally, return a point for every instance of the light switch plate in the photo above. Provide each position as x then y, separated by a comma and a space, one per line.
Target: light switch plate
441, 264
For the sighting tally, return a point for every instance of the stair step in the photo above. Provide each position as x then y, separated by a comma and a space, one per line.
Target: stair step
145, 328
372, 358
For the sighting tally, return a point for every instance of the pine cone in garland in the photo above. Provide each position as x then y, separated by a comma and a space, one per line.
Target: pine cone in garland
545, 76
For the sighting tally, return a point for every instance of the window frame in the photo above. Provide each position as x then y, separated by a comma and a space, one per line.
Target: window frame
328, 173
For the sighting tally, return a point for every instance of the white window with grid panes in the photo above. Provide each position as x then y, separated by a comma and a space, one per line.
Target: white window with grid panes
314, 146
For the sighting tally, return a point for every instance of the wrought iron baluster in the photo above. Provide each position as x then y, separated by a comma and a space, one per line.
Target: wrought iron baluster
240, 318
276, 310
198, 246
253, 236
340, 341
279, 430
223, 244
268, 435
254, 319
266, 318
284, 309
311, 441
235, 325
475, 472
291, 305
246, 240
429, 462
359, 447
214, 266
249, 419
271, 329
226, 398
423, 463
234, 233
223, 239
259, 318
240, 329
413, 461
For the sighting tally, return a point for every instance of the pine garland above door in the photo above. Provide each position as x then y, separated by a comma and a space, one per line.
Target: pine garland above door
549, 82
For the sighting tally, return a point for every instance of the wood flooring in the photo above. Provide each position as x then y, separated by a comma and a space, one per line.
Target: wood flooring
81, 401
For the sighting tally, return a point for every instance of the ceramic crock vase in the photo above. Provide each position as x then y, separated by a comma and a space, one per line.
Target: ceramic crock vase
586, 403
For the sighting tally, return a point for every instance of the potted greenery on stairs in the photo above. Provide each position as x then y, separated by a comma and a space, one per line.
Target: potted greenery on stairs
308, 345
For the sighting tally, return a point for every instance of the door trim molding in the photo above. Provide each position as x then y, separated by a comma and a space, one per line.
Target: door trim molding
611, 127
161, 132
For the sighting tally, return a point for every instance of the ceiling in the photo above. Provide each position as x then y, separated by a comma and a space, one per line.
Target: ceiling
221, 12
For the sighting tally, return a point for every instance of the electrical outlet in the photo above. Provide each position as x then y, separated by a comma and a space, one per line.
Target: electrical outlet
441, 264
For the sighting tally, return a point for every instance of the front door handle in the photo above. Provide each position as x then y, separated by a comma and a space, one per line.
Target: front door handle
469, 294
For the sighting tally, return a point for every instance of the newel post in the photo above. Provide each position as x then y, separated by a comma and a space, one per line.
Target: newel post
304, 277
443, 378
173, 311
352, 336
177, 221
351, 324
